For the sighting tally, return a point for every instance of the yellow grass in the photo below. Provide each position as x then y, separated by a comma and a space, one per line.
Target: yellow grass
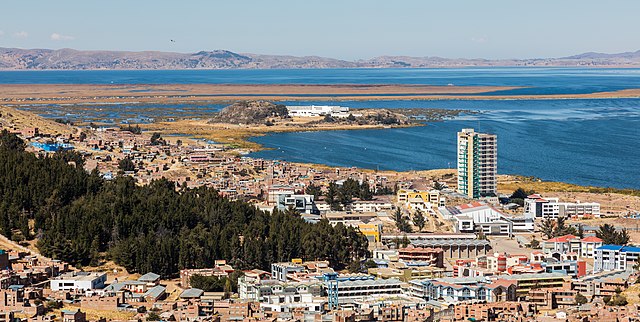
237, 134
21, 119
97, 314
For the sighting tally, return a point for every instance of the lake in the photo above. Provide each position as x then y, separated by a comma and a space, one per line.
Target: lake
582, 141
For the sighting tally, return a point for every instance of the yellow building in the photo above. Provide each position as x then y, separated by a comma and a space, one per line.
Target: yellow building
371, 231
432, 196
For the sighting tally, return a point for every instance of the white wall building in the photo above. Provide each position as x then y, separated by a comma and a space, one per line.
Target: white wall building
478, 216
351, 290
318, 110
615, 258
539, 207
79, 281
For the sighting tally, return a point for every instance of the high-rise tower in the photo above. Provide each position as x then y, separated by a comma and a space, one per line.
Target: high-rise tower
477, 163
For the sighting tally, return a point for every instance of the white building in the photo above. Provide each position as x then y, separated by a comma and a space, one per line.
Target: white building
318, 110
478, 216
274, 192
362, 287
585, 247
302, 203
293, 301
279, 271
79, 281
539, 207
279, 296
615, 258
462, 289
371, 206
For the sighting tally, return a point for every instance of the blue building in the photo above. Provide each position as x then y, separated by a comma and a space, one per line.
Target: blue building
52, 147
615, 258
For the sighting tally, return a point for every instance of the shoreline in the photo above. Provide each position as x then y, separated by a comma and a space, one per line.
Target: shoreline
507, 182
78, 94
238, 136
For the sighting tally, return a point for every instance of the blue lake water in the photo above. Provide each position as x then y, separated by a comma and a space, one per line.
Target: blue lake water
582, 141
587, 142
539, 80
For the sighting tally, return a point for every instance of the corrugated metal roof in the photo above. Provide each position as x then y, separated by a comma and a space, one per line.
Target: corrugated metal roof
191, 293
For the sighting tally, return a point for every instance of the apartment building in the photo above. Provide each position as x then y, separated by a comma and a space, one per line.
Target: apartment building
79, 281
431, 256
552, 298
462, 289
584, 247
361, 287
615, 258
537, 206
603, 284
477, 163
476, 217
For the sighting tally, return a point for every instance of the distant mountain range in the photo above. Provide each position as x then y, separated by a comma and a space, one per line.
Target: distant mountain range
42, 59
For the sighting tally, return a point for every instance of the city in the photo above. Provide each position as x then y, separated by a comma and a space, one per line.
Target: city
319, 161
442, 245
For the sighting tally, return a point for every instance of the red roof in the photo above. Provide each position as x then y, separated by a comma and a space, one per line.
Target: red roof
472, 205
591, 239
561, 239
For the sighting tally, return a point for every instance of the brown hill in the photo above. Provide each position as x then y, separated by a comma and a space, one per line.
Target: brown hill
250, 112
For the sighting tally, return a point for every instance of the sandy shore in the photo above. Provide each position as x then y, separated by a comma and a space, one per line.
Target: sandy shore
212, 93
237, 135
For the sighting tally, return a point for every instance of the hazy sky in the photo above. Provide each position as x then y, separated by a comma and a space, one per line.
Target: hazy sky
341, 29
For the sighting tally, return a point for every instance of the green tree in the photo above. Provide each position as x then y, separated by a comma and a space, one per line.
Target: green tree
80, 218
405, 241
437, 185
153, 316
10, 142
126, 165
618, 300
401, 221
370, 264
314, 190
562, 229
610, 235
521, 194
365, 192
419, 219
580, 231
332, 197
535, 244
156, 139
581, 299
547, 227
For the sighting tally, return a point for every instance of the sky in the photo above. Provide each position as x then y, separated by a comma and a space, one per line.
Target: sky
346, 29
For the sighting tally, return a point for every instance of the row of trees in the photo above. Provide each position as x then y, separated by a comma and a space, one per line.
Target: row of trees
608, 233
339, 196
83, 219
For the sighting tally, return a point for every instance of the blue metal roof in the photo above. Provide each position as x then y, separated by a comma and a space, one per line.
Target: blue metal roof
622, 249
631, 249
610, 247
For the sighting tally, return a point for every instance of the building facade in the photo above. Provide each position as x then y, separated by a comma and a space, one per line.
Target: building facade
79, 281
477, 163
615, 258
537, 206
